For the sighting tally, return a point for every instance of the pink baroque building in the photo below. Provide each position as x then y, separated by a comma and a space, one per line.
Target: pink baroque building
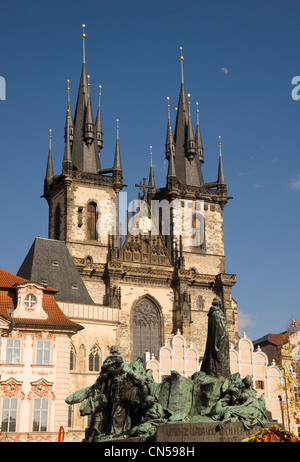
185, 359
35, 340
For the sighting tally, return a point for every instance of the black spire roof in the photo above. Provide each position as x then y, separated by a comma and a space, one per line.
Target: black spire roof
187, 162
49, 170
85, 153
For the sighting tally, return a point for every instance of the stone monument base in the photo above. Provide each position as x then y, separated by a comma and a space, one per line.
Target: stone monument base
204, 432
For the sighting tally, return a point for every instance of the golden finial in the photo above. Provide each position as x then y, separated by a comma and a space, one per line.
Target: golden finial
68, 89
83, 43
220, 145
117, 128
197, 104
89, 80
189, 102
50, 137
181, 59
151, 156
100, 88
168, 99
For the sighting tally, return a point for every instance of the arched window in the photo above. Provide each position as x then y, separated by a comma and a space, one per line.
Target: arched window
147, 331
72, 358
92, 221
94, 359
81, 359
57, 216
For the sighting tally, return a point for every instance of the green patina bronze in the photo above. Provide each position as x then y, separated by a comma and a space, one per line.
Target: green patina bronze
126, 402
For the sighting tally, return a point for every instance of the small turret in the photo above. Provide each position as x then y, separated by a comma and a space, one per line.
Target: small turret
190, 142
69, 115
49, 170
198, 140
117, 168
169, 138
98, 124
89, 128
151, 182
221, 177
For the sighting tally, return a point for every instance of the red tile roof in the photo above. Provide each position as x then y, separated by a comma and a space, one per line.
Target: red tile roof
57, 319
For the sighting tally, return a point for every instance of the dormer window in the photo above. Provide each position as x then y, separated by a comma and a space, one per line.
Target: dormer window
30, 301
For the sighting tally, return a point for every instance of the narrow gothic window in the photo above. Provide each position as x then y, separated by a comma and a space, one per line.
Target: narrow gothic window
72, 358
147, 334
92, 222
81, 358
57, 223
94, 359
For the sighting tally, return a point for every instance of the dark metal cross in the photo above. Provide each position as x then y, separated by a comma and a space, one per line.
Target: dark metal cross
143, 186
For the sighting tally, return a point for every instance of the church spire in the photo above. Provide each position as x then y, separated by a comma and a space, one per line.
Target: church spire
190, 142
187, 163
221, 177
69, 114
169, 138
117, 161
85, 154
67, 154
171, 150
98, 124
151, 182
49, 170
89, 129
117, 168
198, 140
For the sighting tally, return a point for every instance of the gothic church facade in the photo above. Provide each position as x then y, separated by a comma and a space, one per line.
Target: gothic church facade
132, 289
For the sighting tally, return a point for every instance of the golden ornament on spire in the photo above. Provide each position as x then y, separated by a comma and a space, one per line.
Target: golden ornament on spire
181, 57
83, 31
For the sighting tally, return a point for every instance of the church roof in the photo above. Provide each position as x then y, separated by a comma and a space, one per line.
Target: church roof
8, 301
49, 262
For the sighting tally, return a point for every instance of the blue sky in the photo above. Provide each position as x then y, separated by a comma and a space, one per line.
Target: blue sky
132, 50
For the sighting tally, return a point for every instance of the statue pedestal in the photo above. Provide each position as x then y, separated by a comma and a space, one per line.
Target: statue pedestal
204, 432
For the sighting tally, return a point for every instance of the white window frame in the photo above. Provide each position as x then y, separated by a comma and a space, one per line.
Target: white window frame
42, 351
15, 358
12, 412
40, 414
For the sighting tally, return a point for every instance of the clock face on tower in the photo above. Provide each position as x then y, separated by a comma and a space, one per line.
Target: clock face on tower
145, 224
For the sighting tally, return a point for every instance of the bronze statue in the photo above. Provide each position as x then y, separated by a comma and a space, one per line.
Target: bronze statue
216, 361
126, 402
